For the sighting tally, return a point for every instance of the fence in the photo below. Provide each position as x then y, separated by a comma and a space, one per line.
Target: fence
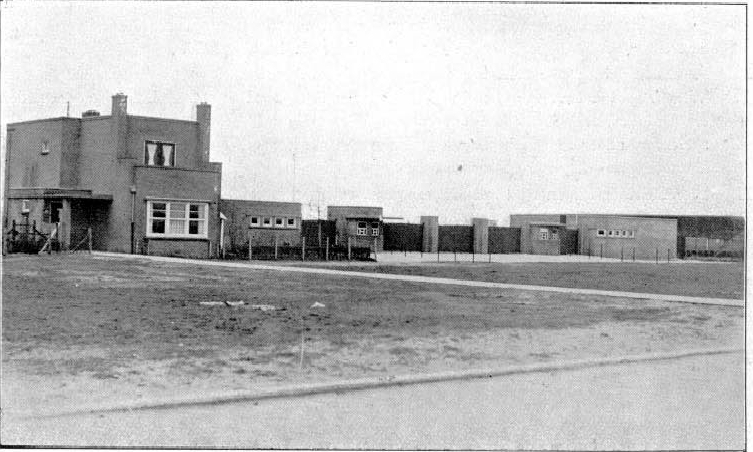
302, 252
27, 239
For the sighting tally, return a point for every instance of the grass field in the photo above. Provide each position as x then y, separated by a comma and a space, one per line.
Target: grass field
87, 329
699, 279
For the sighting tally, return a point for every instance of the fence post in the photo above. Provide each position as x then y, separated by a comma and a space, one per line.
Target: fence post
250, 249
473, 255
89, 235
657, 255
667, 254
437, 253
601, 251
348, 248
622, 254
303, 248
490, 258
375, 250
633, 254
405, 250
326, 251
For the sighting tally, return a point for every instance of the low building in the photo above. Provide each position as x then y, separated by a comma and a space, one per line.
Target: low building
609, 236
358, 225
261, 223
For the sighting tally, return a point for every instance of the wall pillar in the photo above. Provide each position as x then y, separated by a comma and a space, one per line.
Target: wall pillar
480, 235
430, 234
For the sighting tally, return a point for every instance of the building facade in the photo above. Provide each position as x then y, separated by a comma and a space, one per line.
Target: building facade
261, 223
358, 225
142, 184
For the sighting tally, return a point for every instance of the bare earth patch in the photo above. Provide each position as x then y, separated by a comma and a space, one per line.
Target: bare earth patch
84, 331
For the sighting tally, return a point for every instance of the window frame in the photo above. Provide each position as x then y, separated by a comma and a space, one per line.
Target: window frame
543, 234
160, 144
256, 223
291, 223
361, 230
601, 233
279, 222
375, 230
186, 219
266, 222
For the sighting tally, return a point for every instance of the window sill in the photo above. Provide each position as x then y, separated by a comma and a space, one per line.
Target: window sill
163, 237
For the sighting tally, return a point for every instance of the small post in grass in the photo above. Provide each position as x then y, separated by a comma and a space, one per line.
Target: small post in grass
490, 258
601, 251
437, 253
667, 254
275, 247
326, 250
622, 254
300, 361
633, 254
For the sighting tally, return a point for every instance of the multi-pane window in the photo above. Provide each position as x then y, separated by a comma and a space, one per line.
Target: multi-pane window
361, 228
177, 219
375, 228
159, 153
554, 235
543, 234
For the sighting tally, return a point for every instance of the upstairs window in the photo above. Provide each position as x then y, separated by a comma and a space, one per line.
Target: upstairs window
291, 223
254, 222
375, 228
45, 147
267, 222
159, 153
601, 232
279, 223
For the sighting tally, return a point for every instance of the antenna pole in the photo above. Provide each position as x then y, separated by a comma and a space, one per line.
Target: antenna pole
68, 109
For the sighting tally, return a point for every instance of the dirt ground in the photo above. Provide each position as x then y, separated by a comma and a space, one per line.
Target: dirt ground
93, 330
697, 279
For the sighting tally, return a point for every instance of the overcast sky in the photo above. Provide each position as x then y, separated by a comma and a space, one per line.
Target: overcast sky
456, 110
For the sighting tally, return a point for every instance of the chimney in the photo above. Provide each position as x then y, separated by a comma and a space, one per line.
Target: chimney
119, 126
204, 118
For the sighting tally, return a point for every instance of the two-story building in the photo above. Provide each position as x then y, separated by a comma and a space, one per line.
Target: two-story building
142, 184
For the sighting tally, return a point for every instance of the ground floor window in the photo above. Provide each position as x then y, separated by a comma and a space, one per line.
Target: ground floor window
177, 219
361, 230
51, 213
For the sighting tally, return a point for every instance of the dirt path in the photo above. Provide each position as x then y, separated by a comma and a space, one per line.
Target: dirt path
443, 281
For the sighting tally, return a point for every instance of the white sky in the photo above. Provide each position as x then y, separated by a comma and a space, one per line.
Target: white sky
548, 108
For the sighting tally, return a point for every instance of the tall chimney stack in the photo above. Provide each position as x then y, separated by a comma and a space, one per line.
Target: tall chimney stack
204, 118
120, 124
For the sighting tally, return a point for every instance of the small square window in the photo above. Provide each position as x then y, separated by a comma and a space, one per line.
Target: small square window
601, 232
632, 234
555, 235
543, 234
361, 228
291, 222
267, 222
255, 222
611, 233
375, 228
279, 222
45, 147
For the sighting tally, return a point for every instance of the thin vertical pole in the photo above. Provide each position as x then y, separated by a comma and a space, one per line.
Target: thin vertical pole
473, 255
348, 248
437, 253
375, 249
275, 247
622, 254
490, 258
250, 249
455, 254
601, 251
300, 361
326, 251
303, 248
633, 254
667, 254
657, 255
89, 235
